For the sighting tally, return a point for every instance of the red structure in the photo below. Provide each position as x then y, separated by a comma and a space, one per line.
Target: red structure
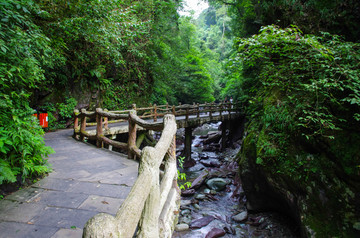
43, 119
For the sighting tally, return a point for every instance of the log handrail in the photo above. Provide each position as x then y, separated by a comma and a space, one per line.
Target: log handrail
151, 203
149, 112
154, 112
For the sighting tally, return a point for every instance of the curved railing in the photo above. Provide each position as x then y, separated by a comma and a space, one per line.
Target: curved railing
152, 203
137, 115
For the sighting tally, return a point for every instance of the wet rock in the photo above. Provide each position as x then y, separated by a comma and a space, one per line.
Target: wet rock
242, 216
204, 156
211, 163
200, 196
196, 206
199, 180
185, 212
182, 227
217, 184
184, 203
185, 219
230, 230
188, 192
215, 232
201, 222
212, 138
206, 191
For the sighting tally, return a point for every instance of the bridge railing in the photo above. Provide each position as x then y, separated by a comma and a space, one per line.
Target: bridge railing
152, 203
153, 112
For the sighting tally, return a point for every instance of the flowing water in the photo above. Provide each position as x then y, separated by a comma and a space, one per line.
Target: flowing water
220, 207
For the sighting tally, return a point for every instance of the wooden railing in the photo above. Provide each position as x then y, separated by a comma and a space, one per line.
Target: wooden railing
153, 112
152, 204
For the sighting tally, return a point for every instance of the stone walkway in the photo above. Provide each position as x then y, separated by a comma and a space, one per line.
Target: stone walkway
85, 181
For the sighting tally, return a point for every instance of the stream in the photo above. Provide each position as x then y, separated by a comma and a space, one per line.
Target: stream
215, 206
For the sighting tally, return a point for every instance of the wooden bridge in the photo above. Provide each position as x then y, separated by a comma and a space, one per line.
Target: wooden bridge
153, 203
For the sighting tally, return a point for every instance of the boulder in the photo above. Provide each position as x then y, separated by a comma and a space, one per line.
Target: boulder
182, 227
242, 216
215, 232
213, 138
185, 203
211, 163
199, 180
200, 196
185, 219
308, 199
185, 212
188, 192
217, 184
204, 221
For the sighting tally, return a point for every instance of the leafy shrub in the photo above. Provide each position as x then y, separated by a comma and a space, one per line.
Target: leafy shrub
24, 52
302, 94
22, 147
303, 86
59, 113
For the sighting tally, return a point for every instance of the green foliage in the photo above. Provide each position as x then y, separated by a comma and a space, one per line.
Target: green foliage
22, 148
305, 88
312, 16
301, 94
181, 70
102, 45
66, 110
316, 77
24, 54
60, 113
182, 176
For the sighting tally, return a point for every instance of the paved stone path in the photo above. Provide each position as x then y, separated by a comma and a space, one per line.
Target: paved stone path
85, 181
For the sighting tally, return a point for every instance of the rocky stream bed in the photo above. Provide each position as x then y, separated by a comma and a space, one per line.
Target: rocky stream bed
215, 205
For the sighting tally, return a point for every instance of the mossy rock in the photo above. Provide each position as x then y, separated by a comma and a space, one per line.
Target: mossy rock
323, 202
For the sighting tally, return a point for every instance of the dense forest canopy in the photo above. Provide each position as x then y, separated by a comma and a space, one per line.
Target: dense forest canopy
296, 68
294, 65
56, 55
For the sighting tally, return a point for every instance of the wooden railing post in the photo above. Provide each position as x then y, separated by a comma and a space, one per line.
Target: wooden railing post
132, 136
187, 114
83, 124
99, 131
167, 107
106, 121
220, 106
76, 123
210, 110
198, 110
155, 113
